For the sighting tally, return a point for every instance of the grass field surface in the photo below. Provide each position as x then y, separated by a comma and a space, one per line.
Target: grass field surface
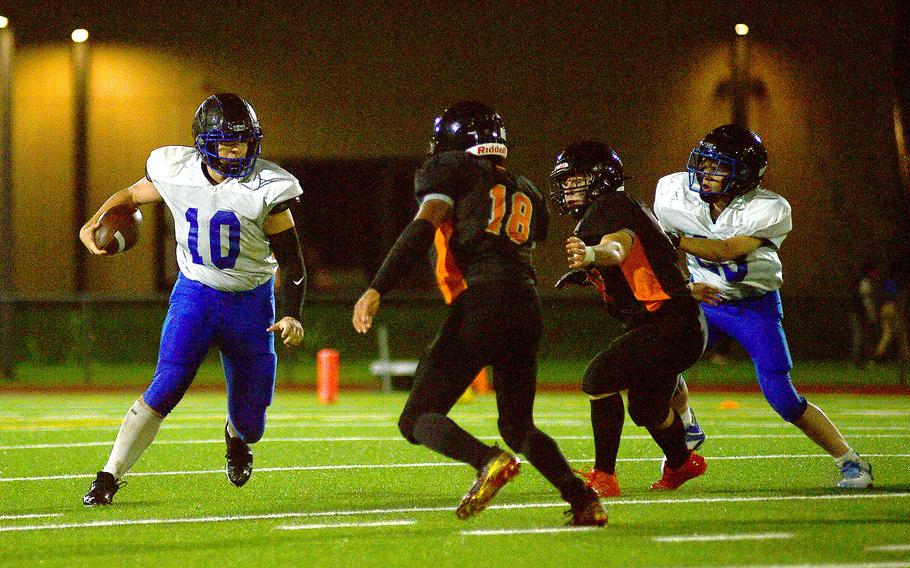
336, 486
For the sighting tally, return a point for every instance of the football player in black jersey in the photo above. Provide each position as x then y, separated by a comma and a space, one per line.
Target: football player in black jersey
484, 221
619, 247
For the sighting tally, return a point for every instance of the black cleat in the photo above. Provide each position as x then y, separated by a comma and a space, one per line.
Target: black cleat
239, 466
587, 512
102, 490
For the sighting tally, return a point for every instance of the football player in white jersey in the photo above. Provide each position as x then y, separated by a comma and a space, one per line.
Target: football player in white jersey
232, 221
731, 229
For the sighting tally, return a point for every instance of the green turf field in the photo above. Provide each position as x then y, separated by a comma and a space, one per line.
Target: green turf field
335, 485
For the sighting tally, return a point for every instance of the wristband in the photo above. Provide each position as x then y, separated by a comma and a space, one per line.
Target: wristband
589, 256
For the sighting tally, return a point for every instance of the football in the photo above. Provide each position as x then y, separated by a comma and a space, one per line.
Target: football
118, 229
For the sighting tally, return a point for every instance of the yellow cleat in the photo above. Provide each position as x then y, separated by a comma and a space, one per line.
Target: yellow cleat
494, 475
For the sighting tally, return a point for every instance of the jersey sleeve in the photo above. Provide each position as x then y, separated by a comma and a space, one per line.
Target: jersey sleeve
664, 196
440, 177
281, 190
767, 219
167, 164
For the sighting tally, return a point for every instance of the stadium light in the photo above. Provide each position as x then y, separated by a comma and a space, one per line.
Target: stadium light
4, 21
79, 35
741, 29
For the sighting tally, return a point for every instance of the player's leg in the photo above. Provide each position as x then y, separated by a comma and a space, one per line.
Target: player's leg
761, 333
185, 338
512, 338
679, 402
250, 363
604, 378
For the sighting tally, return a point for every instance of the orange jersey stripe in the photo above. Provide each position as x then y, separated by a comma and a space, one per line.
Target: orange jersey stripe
448, 274
641, 278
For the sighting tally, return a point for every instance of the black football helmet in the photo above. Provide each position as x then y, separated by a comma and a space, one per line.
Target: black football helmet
470, 127
226, 117
594, 160
735, 148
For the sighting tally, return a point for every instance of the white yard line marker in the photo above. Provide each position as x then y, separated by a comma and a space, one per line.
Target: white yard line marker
560, 504
402, 522
365, 466
889, 548
722, 537
29, 516
495, 532
322, 439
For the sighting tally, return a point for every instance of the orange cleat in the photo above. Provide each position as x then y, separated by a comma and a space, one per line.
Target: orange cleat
605, 484
673, 478
494, 475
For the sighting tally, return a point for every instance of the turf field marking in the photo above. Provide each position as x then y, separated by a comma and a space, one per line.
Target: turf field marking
836, 565
494, 532
29, 516
408, 465
560, 504
394, 523
722, 537
889, 548
323, 439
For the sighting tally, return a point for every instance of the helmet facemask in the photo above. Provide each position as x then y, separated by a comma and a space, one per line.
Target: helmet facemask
570, 183
207, 144
703, 162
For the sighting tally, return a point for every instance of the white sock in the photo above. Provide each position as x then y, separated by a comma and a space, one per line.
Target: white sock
686, 417
851, 455
230, 428
136, 434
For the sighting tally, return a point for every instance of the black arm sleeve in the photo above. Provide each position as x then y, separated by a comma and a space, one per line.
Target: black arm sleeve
286, 246
410, 247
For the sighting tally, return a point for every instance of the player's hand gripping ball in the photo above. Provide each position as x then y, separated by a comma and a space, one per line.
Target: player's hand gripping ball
118, 229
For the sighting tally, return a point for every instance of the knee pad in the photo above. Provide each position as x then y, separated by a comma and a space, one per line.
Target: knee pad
782, 396
598, 380
168, 386
406, 427
250, 424
647, 412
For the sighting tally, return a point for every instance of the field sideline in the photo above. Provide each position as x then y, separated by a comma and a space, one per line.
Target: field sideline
335, 485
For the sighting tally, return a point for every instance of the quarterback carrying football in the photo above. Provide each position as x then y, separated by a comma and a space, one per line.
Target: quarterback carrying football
232, 221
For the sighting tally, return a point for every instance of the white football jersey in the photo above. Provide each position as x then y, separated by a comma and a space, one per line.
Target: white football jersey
760, 213
220, 240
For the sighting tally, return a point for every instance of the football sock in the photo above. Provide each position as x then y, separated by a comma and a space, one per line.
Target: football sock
607, 416
851, 455
686, 417
545, 455
442, 435
230, 428
137, 431
672, 440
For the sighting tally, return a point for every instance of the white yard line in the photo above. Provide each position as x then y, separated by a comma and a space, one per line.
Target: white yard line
889, 548
722, 537
498, 532
366, 466
29, 516
402, 522
560, 504
835, 565
322, 439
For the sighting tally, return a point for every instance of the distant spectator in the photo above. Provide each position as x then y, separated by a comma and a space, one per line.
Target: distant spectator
864, 314
893, 321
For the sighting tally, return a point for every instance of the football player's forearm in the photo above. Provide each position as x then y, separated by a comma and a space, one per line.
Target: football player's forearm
286, 247
121, 197
608, 253
411, 246
715, 250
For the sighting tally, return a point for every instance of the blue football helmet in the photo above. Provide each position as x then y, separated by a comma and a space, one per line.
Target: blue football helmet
735, 153
226, 118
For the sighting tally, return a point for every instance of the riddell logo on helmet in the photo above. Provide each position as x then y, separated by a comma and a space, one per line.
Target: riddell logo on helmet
489, 149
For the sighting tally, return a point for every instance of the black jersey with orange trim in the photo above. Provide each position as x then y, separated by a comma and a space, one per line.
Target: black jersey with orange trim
650, 273
496, 218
